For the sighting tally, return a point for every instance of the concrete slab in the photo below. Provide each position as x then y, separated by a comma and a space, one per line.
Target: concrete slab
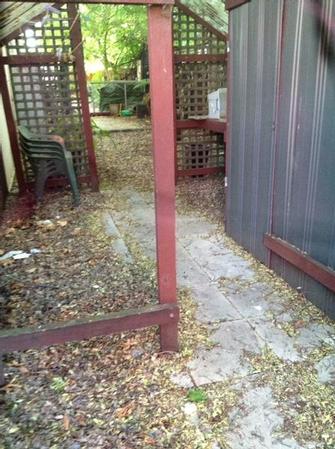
189, 273
183, 380
189, 226
255, 421
216, 260
314, 336
213, 306
245, 315
226, 360
326, 370
254, 301
118, 244
217, 365
277, 340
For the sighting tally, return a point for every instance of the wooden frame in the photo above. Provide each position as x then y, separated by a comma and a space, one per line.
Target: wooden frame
26, 60
231, 4
165, 314
109, 2
206, 161
316, 270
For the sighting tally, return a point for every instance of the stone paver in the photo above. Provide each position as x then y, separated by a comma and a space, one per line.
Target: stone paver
118, 244
226, 360
240, 319
326, 370
278, 340
256, 423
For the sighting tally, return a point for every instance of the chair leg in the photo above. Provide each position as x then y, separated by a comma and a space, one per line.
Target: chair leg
73, 181
41, 178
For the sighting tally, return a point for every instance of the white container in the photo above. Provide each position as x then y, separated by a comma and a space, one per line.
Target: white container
217, 104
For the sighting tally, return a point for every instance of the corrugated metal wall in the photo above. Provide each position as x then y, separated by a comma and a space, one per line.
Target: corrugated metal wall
281, 154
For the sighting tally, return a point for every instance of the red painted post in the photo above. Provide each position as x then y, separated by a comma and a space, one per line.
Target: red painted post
163, 132
11, 126
77, 46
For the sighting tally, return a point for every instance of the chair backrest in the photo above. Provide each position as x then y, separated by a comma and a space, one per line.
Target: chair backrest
35, 146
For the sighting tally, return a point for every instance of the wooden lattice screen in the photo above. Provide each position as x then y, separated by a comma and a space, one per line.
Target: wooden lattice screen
200, 68
45, 87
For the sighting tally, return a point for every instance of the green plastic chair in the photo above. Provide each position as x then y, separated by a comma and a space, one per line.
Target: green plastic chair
48, 156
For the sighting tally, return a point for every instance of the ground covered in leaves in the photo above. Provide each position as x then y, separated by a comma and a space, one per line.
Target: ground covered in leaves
112, 392
116, 392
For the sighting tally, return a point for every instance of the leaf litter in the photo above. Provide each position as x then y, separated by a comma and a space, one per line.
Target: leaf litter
117, 392
111, 392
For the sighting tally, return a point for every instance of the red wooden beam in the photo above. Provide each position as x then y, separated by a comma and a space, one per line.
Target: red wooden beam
109, 2
200, 171
163, 132
11, 126
77, 46
301, 260
3, 183
29, 59
200, 58
217, 126
58, 333
231, 4
189, 124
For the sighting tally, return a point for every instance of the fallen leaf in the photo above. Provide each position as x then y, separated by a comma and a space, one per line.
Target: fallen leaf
66, 421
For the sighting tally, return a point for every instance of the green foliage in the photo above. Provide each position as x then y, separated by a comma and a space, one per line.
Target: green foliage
115, 35
197, 395
58, 384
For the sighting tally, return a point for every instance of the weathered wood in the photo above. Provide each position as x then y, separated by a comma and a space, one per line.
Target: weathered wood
316, 270
231, 4
13, 138
200, 58
201, 171
109, 2
20, 339
163, 130
77, 48
218, 126
29, 59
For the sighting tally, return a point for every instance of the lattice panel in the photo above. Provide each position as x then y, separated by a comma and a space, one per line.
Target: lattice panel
46, 97
193, 38
48, 34
47, 102
199, 148
194, 81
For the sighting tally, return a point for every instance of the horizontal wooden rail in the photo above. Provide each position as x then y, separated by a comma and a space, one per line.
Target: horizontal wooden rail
20, 339
301, 260
109, 2
200, 171
30, 59
200, 58
231, 4
218, 126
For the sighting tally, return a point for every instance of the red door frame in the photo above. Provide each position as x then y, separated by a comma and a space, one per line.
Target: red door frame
166, 313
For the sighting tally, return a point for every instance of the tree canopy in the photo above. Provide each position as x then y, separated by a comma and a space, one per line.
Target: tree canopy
115, 35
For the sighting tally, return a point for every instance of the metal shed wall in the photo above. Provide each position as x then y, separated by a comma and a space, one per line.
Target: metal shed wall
281, 150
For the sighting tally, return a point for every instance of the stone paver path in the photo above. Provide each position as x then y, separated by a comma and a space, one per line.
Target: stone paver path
240, 320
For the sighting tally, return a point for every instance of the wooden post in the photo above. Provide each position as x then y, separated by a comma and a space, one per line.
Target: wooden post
77, 48
2, 371
163, 133
11, 126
